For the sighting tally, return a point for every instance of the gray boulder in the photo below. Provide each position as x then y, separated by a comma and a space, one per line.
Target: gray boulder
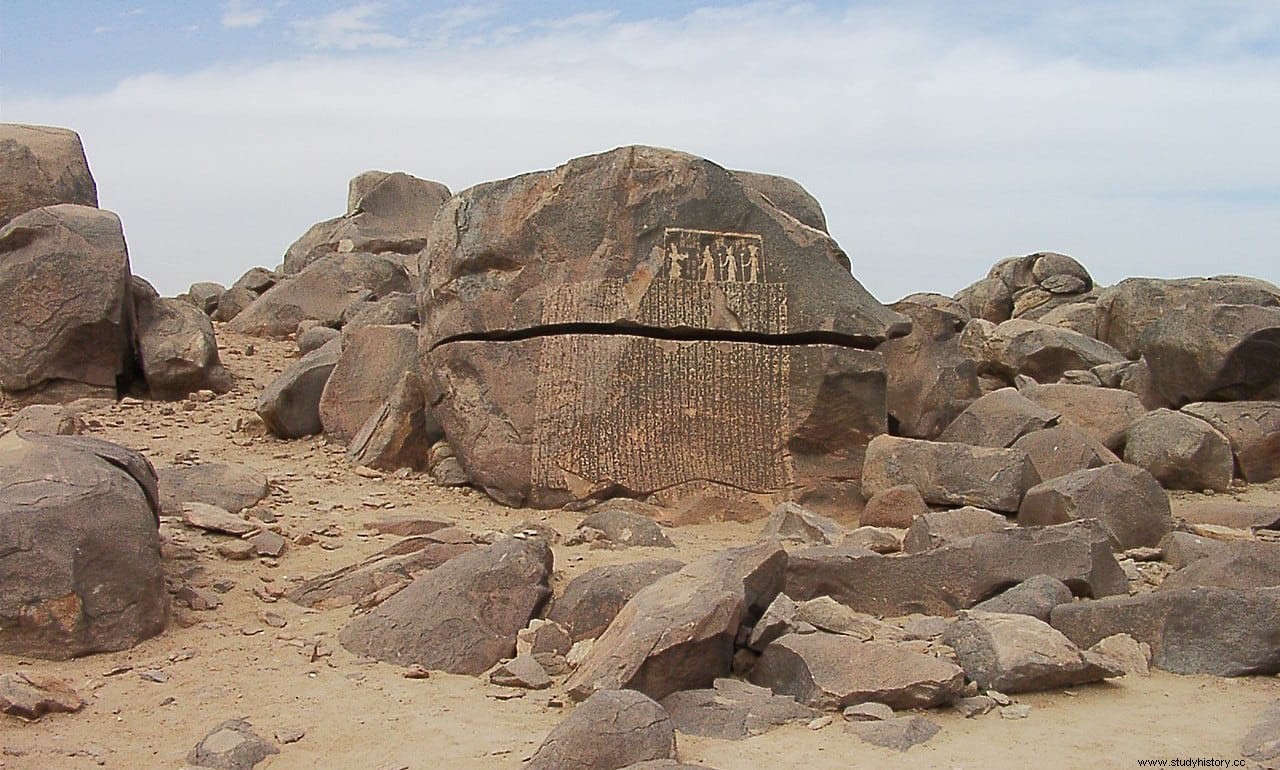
592, 600
1180, 451
950, 474
290, 405
1126, 500
177, 349
939, 528
1253, 430
998, 419
612, 729
42, 166
1015, 653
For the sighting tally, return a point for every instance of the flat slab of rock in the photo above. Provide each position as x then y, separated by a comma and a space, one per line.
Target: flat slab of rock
899, 733
678, 633
1125, 500
592, 600
732, 710
463, 616
214, 519
997, 420
950, 474
612, 729
232, 745
228, 486
831, 671
28, 695
1242, 564
399, 433
46, 419
1219, 631
379, 575
1102, 413
793, 522
1262, 743
1064, 449
1019, 653
957, 576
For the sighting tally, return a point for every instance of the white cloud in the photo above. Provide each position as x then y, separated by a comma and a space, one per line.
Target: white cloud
347, 29
239, 14
934, 150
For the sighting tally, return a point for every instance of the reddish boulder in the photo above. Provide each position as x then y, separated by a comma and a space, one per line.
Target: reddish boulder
1253, 429
373, 360
1126, 500
1181, 451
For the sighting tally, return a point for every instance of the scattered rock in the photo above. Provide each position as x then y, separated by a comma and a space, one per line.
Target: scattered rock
930, 380
29, 695
521, 671
793, 522
1036, 596
236, 550
830, 671
232, 745
1105, 414
732, 710
611, 729
1064, 449
400, 433
874, 539
321, 291
826, 614
894, 507
1181, 451
934, 530
1124, 653
950, 474
227, 486
315, 338
1015, 711
214, 519
268, 543
1126, 501
868, 712
778, 619
177, 349
974, 706
372, 362
899, 733
1020, 653
1242, 564
621, 523
1043, 353
1262, 743
1214, 353
543, 637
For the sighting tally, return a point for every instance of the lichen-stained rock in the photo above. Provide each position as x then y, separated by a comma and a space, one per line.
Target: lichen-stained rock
290, 404
676, 327
66, 322
400, 433
463, 616
593, 599
678, 633
322, 292
1180, 451
831, 671
997, 420
1215, 353
1016, 653
950, 474
387, 212
1220, 631
372, 362
611, 730
957, 576
1129, 308
42, 166
930, 379
1252, 428
177, 349
80, 553
1126, 500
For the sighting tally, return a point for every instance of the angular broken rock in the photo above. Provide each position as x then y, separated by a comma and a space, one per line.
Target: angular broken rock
610, 730
1240, 564
1253, 429
29, 695
934, 530
232, 745
42, 166
381, 574
1215, 353
831, 671
1036, 596
177, 349
1103, 413
997, 420
290, 405
1063, 449
826, 614
400, 433
1205, 630
1181, 451
622, 523
592, 600
463, 616
215, 519
899, 733
372, 361
1125, 499
226, 485
67, 322
778, 619
679, 632
957, 576
315, 338
543, 637
894, 507
792, 521
1019, 653
1123, 652
723, 336
1043, 353
950, 474
521, 671
81, 550
732, 710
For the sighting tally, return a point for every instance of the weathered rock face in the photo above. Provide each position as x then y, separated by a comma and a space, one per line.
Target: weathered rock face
372, 362
1026, 287
678, 633
950, 474
1220, 631
1036, 596
290, 405
793, 522
1215, 353
386, 212
682, 313
1064, 449
1243, 564
46, 419
67, 320
831, 671
1126, 500
934, 530
621, 524
930, 379
593, 599
1019, 653
81, 562
988, 299
178, 352
786, 194
1181, 451
400, 433
463, 616
1253, 429
943, 580
1103, 413
997, 420
204, 295
611, 730
1043, 353
42, 166
322, 291
732, 710
1127, 309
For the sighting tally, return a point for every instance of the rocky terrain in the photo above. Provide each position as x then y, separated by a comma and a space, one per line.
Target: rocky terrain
617, 465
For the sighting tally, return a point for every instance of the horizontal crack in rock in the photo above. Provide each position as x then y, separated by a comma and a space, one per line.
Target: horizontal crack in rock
678, 334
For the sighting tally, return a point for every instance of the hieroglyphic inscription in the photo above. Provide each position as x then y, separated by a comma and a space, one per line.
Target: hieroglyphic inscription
755, 307
713, 257
648, 414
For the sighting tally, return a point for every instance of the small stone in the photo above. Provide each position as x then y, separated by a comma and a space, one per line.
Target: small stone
1000, 698
29, 696
416, 671
154, 675
974, 706
290, 735
1015, 711
272, 619
231, 745
214, 519
868, 712
899, 733
521, 671
268, 543
820, 722
236, 550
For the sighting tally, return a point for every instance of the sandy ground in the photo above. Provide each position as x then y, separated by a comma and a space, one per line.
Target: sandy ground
232, 663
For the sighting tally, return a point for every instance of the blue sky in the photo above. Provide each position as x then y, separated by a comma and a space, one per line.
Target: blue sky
1138, 136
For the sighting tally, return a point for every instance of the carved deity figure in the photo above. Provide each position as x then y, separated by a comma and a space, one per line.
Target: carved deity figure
677, 259
708, 265
731, 264
753, 263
